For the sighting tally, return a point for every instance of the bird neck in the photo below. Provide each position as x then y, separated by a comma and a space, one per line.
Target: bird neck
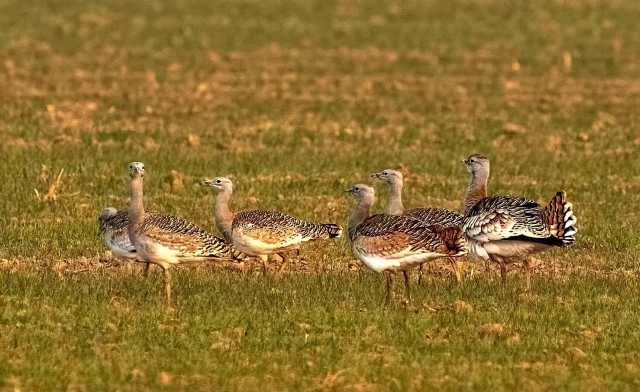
360, 212
223, 214
477, 190
395, 206
136, 206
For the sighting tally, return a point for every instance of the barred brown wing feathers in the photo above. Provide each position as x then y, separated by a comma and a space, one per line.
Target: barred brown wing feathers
113, 230
273, 226
414, 233
116, 221
319, 230
382, 245
183, 236
452, 237
440, 216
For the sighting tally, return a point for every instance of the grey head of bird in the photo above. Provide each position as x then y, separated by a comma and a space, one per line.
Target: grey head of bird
388, 176
136, 169
477, 164
219, 183
362, 192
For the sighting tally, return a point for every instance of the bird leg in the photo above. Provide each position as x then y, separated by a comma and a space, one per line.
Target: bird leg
264, 259
145, 271
388, 288
527, 271
503, 269
420, 274
167, 285
284, 262
406, 284
456, 269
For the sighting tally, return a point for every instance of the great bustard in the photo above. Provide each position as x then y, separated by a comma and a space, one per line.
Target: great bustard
504, 228
389, 243
432, 216
263, 232
168, 240
113, 230
113, 225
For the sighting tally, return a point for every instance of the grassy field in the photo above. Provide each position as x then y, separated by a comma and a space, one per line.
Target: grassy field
296, 101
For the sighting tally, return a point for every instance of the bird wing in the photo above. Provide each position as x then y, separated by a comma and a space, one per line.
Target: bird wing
183, 237
388, 233
440, 216
113, 222
269, 227
501, 217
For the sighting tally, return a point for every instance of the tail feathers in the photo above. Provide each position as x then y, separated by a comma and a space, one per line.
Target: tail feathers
322, 231
227, 253
453, 238
217, 248
332, 230
558, 215
236, 255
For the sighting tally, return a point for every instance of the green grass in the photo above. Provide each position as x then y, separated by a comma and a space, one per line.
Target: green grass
298, 100
234, 331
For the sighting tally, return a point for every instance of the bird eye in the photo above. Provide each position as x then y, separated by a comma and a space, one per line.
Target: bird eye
385, 173
218, 181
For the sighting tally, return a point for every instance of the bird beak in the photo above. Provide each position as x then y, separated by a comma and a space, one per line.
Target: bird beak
206, 182
375, 175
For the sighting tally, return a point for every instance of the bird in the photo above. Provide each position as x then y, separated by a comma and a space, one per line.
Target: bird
504, 229
437, 216
389, 243
261, 233
167, 240
112, 224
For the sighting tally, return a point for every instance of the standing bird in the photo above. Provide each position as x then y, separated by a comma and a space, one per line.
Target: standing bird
113, 225
431, 216
505, 228
113, 230
167, 240
261, 232
389, 243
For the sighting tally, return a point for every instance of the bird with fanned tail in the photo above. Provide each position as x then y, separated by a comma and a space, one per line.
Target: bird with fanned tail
169, 240
434, 216
262, 233
505, 229
389, 243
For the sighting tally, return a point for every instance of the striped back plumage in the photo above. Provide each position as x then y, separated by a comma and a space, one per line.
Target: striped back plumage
116, 222
505, 217
279, 222
440, 216
112, 225
526, 214
449, 240
208, 245
112, 219
320, 230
